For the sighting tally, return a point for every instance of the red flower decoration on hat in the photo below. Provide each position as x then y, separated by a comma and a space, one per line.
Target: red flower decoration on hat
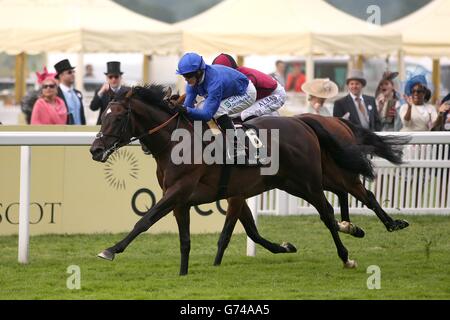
41, 77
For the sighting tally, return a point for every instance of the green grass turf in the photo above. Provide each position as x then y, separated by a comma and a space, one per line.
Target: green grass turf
414, 264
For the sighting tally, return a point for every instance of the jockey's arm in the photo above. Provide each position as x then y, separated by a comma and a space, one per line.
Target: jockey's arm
191, 94
210, 106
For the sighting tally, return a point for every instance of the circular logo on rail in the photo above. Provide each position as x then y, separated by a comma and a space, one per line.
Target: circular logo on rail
121, 166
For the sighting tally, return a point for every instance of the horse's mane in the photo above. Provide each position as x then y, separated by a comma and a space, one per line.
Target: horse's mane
153, 94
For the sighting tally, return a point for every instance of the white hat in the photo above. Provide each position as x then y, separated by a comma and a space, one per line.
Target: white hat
321, 88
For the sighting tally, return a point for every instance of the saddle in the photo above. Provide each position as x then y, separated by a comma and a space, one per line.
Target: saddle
247, 138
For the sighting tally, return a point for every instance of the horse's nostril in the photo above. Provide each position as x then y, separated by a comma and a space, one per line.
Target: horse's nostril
96, 150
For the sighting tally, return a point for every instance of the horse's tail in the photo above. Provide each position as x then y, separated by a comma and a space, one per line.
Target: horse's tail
353, 157
388, 147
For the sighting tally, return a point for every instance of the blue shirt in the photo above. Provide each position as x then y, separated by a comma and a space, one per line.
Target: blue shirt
219, 83
73, 103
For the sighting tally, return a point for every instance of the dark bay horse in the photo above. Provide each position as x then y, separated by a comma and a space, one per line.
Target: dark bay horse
143, 113
337, 178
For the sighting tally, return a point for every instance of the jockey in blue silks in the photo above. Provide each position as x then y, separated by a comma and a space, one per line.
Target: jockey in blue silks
226, 90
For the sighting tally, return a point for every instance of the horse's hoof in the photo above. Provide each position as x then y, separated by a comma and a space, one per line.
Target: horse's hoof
350, 228
289, 247
397, 225
350, 264
107, 255
358, 232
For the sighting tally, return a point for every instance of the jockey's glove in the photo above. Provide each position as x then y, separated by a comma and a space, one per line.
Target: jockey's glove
182, 110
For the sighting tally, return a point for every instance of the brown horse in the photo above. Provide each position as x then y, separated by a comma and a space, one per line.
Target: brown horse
336, 178
144, 114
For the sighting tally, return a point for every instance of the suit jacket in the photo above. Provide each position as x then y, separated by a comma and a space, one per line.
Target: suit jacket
101, 103
70, 116
346, 105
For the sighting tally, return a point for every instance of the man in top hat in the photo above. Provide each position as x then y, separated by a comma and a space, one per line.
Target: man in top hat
357, 107
111, 88
73, 98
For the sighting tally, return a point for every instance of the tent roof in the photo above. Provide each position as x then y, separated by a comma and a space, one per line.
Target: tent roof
34, 26
425, 32
291, 27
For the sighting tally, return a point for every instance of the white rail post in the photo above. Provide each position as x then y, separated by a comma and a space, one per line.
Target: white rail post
253, 204
24, 207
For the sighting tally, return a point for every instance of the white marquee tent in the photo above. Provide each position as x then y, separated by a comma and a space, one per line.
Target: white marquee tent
34, 26
288, 27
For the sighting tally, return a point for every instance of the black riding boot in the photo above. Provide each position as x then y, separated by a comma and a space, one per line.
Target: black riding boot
225, 123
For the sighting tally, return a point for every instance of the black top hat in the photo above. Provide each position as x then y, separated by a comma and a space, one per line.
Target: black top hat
62, 66
113, 67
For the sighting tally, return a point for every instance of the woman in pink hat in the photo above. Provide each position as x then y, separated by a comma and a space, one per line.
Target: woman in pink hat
49, 108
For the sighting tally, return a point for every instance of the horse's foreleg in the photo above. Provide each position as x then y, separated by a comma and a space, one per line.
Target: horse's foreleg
183, 219
162, 208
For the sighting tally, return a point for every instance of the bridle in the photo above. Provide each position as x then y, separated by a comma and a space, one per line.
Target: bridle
124, 125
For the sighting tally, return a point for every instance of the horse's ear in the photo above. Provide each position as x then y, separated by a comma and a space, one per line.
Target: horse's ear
168, 94
129, 94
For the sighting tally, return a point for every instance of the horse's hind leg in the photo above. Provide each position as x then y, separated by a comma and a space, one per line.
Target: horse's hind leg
233, 210
238, 209
343, 204
249, 225
317, 199
368, 198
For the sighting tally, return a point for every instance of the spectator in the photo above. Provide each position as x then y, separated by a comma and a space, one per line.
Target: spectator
442, 122
295, 79
73, 98
89, 71
280, 68
357, 107
112, 87
49, 108
319, 90
416, 114
388, 102
27, 103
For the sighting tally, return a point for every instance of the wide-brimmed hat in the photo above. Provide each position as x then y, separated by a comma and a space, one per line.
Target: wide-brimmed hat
417, 79
113, 67
62, 66
356, 75
321, 88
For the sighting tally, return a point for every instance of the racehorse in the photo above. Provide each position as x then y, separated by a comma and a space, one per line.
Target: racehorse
335, 179
144, 114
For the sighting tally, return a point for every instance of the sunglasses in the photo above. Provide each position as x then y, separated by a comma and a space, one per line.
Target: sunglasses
70, 71
113, 76
51, 86
418, 91
189, 75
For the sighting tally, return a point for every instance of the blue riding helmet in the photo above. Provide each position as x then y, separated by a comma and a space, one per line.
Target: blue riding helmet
190, 62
